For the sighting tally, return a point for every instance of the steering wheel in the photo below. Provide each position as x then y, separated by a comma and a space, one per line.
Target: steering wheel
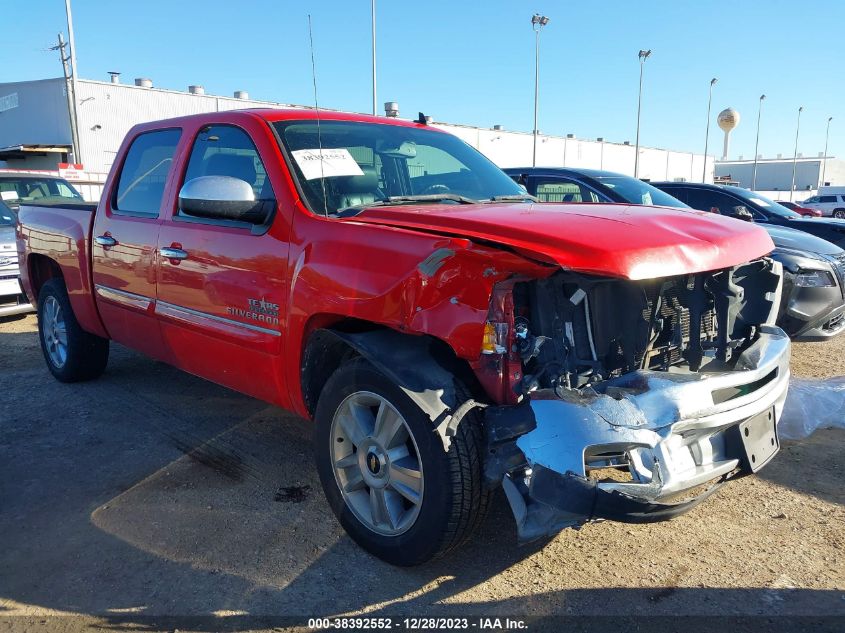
435, 189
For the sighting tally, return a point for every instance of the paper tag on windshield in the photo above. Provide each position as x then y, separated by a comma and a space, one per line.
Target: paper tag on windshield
8, 195
335, 162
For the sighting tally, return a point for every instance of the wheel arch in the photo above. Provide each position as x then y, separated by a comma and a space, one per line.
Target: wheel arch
424, 367
40, 269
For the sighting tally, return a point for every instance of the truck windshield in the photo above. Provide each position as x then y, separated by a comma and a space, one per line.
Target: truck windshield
364, 164
16, 189
638, 192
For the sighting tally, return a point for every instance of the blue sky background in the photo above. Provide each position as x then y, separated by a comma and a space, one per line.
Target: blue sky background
473, 62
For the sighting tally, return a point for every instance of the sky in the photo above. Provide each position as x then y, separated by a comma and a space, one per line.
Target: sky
472, 62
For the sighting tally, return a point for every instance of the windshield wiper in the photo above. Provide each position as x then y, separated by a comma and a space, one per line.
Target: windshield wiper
519, 197
433, 197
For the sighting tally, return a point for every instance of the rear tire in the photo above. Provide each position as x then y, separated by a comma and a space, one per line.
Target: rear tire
839, 213
420, 518
71, 353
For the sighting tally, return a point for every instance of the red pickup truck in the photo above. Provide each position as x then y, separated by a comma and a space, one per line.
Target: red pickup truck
447, 334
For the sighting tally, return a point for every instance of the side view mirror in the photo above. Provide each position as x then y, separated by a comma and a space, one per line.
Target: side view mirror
223, 198
742, 213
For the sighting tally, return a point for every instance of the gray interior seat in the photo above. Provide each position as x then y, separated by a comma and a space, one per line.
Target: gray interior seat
356, 190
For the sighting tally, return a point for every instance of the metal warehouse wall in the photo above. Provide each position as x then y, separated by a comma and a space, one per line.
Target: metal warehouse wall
107, 111
41, 116
776, 174
515, 149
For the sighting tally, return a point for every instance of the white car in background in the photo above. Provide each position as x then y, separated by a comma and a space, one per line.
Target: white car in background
12, 299
830, 201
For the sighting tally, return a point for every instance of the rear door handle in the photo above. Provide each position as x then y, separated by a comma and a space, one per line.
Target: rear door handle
173, 253
105, 240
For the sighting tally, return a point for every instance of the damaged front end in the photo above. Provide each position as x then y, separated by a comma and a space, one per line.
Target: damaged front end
631, 400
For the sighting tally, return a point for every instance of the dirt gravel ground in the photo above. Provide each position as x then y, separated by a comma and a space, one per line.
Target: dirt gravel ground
153, 493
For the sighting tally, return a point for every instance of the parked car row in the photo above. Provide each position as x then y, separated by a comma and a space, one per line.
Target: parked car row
830, 202
806, 212
12, 299
813, 297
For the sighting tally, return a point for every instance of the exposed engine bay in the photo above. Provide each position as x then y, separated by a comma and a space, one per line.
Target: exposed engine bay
636, 392
573, 331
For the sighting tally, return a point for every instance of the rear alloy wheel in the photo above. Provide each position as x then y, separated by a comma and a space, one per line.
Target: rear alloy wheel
386, 476
54, 333
839, 213
72, 354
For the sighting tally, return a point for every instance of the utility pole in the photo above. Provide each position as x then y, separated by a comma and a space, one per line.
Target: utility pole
757, 144
795, 153
707, 131
71, 98
826, 138
537, 23
642, 55
373, 11
77, 150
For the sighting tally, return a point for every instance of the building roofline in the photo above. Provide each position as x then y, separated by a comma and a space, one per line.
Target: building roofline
750, 161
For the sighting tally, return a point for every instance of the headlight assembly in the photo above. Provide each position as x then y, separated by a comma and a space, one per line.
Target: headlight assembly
814, 279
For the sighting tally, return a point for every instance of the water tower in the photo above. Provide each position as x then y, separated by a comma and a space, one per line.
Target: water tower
728, 119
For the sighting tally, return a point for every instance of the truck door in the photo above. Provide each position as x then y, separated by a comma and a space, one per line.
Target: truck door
221, 282
125, 237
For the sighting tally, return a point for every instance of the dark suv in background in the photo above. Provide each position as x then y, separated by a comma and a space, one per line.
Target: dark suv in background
749, 205
813, 297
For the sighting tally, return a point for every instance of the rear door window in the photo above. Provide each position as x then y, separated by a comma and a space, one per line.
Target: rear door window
145, 171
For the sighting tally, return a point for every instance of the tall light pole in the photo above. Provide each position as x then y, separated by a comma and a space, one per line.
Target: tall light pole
826, 137
373, 11
537, 23
757, 144
643, 55
707, 133
74, 128
795, 153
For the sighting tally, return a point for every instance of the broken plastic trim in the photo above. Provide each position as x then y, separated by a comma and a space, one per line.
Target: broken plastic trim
555, 502
674, 433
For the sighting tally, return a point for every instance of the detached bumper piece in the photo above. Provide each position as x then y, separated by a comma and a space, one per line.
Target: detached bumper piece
553, 502
657, 436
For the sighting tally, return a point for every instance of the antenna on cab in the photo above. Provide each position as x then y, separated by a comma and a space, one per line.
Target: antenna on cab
317, 111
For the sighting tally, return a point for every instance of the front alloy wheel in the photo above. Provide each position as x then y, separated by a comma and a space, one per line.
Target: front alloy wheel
385, 473
376, 463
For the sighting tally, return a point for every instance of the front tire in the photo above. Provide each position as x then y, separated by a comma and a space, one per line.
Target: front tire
839, 213
385, 474
72, 354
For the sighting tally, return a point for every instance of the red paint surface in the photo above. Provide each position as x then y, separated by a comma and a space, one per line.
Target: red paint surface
371, 268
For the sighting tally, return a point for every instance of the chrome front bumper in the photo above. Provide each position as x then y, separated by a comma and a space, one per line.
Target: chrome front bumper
676, 431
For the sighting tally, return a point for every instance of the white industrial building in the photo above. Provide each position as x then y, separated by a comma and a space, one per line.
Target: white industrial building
774, 175
35, 131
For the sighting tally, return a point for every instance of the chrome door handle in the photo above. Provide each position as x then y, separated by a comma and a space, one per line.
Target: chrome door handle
173, 253
105, 240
